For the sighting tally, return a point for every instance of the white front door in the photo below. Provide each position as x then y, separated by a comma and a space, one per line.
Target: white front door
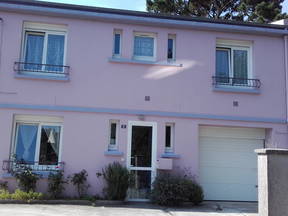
141, 158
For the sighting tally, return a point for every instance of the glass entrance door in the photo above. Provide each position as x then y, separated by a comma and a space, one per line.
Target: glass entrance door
141, 160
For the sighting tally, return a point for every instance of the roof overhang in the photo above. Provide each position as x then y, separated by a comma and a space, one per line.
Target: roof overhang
140, 18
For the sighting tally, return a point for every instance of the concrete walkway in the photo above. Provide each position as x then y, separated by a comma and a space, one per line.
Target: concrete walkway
142, 209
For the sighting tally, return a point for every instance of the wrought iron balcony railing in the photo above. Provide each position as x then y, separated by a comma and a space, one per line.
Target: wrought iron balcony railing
43, 69
11, 166
237, 82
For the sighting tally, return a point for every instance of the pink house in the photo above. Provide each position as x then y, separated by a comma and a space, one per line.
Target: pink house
81, 87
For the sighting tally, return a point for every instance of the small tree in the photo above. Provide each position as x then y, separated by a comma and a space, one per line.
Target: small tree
79, 180
56, 183
27, 180
117, 178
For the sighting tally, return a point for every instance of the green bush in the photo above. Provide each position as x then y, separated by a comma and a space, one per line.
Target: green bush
4, 195
79, 180
117, 178
22, 195
173, 190
27, 179
56, 183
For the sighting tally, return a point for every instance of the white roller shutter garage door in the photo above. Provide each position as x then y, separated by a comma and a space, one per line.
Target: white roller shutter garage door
228, 163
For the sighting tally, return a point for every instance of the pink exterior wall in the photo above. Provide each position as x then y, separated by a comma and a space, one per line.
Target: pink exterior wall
95, 82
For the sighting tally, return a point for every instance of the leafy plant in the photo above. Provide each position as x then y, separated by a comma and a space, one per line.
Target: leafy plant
4, 185
22, 195
27, 179
173, 190
79, 180
117, 178
56, 183
4, 195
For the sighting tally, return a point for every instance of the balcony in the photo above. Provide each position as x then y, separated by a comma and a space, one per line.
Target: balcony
13, 166
232, 84
41, 71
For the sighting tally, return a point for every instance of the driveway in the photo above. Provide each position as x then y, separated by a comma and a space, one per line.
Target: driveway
207, 209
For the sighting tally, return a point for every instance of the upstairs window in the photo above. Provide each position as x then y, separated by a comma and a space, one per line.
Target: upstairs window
233, 64
144, 46
171, 47
117, 43
43, 49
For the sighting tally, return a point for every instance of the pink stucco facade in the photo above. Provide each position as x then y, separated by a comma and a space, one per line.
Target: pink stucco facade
100, 89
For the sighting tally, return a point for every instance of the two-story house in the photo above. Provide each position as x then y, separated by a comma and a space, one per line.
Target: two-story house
85, 86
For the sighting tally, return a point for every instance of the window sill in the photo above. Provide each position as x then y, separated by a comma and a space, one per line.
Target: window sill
170, 155
236, 89
134, 61
113, 153
41, 77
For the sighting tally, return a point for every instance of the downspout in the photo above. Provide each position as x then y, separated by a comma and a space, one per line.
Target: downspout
286, 73
1, 40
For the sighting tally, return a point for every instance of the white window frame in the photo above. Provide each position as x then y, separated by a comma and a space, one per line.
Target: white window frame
46, 29
39, 121
172, 138
113, 147
150, 35
232, 46
120, 32
173, 37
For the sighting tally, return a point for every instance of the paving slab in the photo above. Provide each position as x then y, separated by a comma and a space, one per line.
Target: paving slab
131, 209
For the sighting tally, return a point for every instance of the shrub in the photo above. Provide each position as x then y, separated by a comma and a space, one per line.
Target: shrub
26, 179
4, 185
56, 183
79, 180
117, 179
22, 195
173, 190
4, 195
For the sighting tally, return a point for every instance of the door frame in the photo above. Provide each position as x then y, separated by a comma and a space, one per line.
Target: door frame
154, 149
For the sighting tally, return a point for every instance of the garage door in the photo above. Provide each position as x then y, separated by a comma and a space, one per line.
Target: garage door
228, 164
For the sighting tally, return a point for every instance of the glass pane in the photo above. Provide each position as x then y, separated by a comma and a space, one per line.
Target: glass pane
170, 49
143, 46
26, 137
49, 146
117, 44
55, 52
222, 66
240, 58
141, 149
140, 185
34, 51
113, 134
168, 137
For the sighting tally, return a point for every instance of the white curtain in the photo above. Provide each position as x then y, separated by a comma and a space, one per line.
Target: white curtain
52, 134
34, 51
240, 66
55, 52
26, 143
143, 46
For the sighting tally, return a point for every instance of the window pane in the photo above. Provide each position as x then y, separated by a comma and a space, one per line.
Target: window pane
168, 137
170, 49
49, 145
143, 46
34, 50
26, 142
55, 52
222, 65
240, 58
113, 134
140, 185
117, 44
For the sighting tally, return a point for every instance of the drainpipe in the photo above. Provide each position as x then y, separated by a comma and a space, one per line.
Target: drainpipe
286, 72
1, 39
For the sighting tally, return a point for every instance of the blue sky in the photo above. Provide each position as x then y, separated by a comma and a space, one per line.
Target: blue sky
139, 5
